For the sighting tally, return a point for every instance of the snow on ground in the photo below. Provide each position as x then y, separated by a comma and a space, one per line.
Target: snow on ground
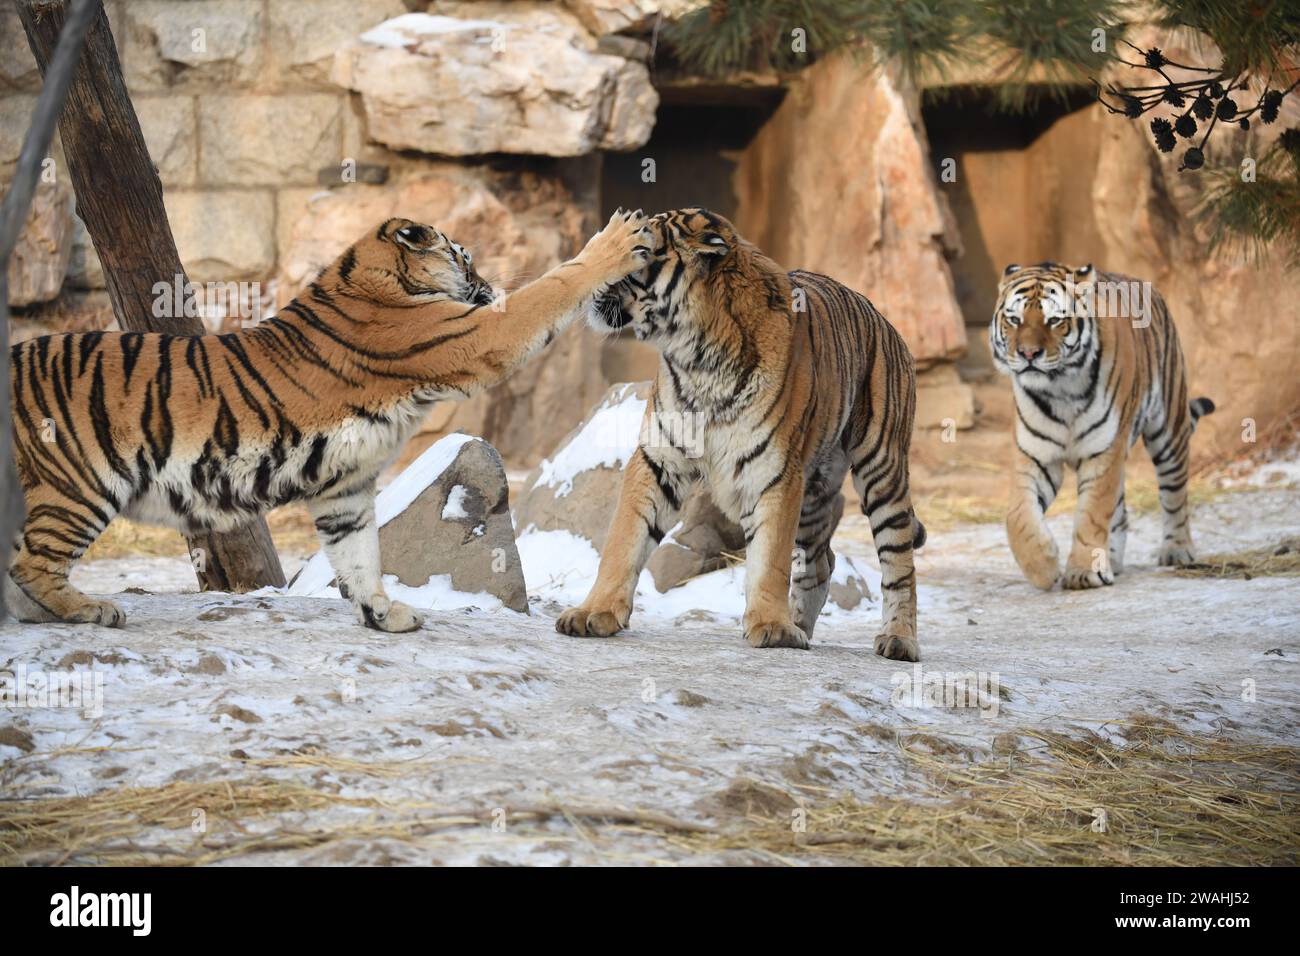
488, 708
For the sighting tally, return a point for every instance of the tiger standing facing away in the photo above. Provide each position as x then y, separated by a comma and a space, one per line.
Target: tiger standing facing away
794, 380
1086, 386
311, 404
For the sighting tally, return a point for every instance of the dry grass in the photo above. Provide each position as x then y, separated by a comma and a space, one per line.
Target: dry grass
1281, 560
291, 530
1169, 798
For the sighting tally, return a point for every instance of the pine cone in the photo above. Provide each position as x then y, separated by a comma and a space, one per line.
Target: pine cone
1185, 126
1155, 59
1269, 105
1203, 107
1227, 108
1164, 134
1193, 159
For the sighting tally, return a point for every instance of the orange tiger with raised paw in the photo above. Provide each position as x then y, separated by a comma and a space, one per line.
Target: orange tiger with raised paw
209, 431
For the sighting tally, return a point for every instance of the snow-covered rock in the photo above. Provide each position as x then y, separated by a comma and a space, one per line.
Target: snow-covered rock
461, 87
445, 537
575, 489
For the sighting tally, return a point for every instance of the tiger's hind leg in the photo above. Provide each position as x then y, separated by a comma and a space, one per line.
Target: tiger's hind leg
1169, 447
887, 503
349, 536
57, 532
823, 506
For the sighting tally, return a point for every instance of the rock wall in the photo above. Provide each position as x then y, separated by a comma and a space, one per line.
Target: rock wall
839, 182
236, 108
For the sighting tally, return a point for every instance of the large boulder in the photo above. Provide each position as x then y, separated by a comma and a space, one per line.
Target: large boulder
460, 87
40, 259
445, 537
576, 488
839, 181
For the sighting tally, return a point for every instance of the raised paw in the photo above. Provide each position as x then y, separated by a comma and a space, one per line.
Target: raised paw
105, 613
584, 622
1175, 555
1079, 579
393, 617
898, 647
776, 634
622, 247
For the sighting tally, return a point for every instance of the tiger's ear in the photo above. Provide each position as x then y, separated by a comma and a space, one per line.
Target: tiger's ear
1007, 273
1084, 277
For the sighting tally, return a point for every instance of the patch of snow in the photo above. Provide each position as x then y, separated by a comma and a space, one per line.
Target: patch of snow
410, 27
418, 475
561, 567
455, 508
606, 441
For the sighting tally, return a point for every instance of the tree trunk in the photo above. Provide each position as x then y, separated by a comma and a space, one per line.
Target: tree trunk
120, 199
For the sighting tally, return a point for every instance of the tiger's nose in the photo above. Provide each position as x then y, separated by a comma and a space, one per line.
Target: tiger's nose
1030, 352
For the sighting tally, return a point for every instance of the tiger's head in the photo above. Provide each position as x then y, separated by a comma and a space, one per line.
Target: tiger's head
700, 284
1041, 321
404, 263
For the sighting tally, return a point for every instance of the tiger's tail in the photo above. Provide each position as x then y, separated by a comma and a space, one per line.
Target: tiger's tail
1200, 407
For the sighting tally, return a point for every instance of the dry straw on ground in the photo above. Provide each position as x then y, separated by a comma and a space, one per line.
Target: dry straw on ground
1150, 795
1275, 561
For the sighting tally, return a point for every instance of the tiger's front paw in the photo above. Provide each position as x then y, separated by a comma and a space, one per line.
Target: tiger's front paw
583, 621
1175, 555
1079, 579
104, 613
776, 634
898, 647
621, 248
385, 615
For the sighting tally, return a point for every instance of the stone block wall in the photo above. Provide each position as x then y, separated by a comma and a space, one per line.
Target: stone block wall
238, 112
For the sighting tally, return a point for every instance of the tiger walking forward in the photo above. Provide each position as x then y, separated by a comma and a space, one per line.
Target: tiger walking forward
1086, 387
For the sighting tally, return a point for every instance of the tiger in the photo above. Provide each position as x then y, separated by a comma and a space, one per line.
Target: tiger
207, 432
788, 380
1086, 386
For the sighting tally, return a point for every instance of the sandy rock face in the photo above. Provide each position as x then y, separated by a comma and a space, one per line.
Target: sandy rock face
40, 259
458, 87
517, 226
839, 182
444, 525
